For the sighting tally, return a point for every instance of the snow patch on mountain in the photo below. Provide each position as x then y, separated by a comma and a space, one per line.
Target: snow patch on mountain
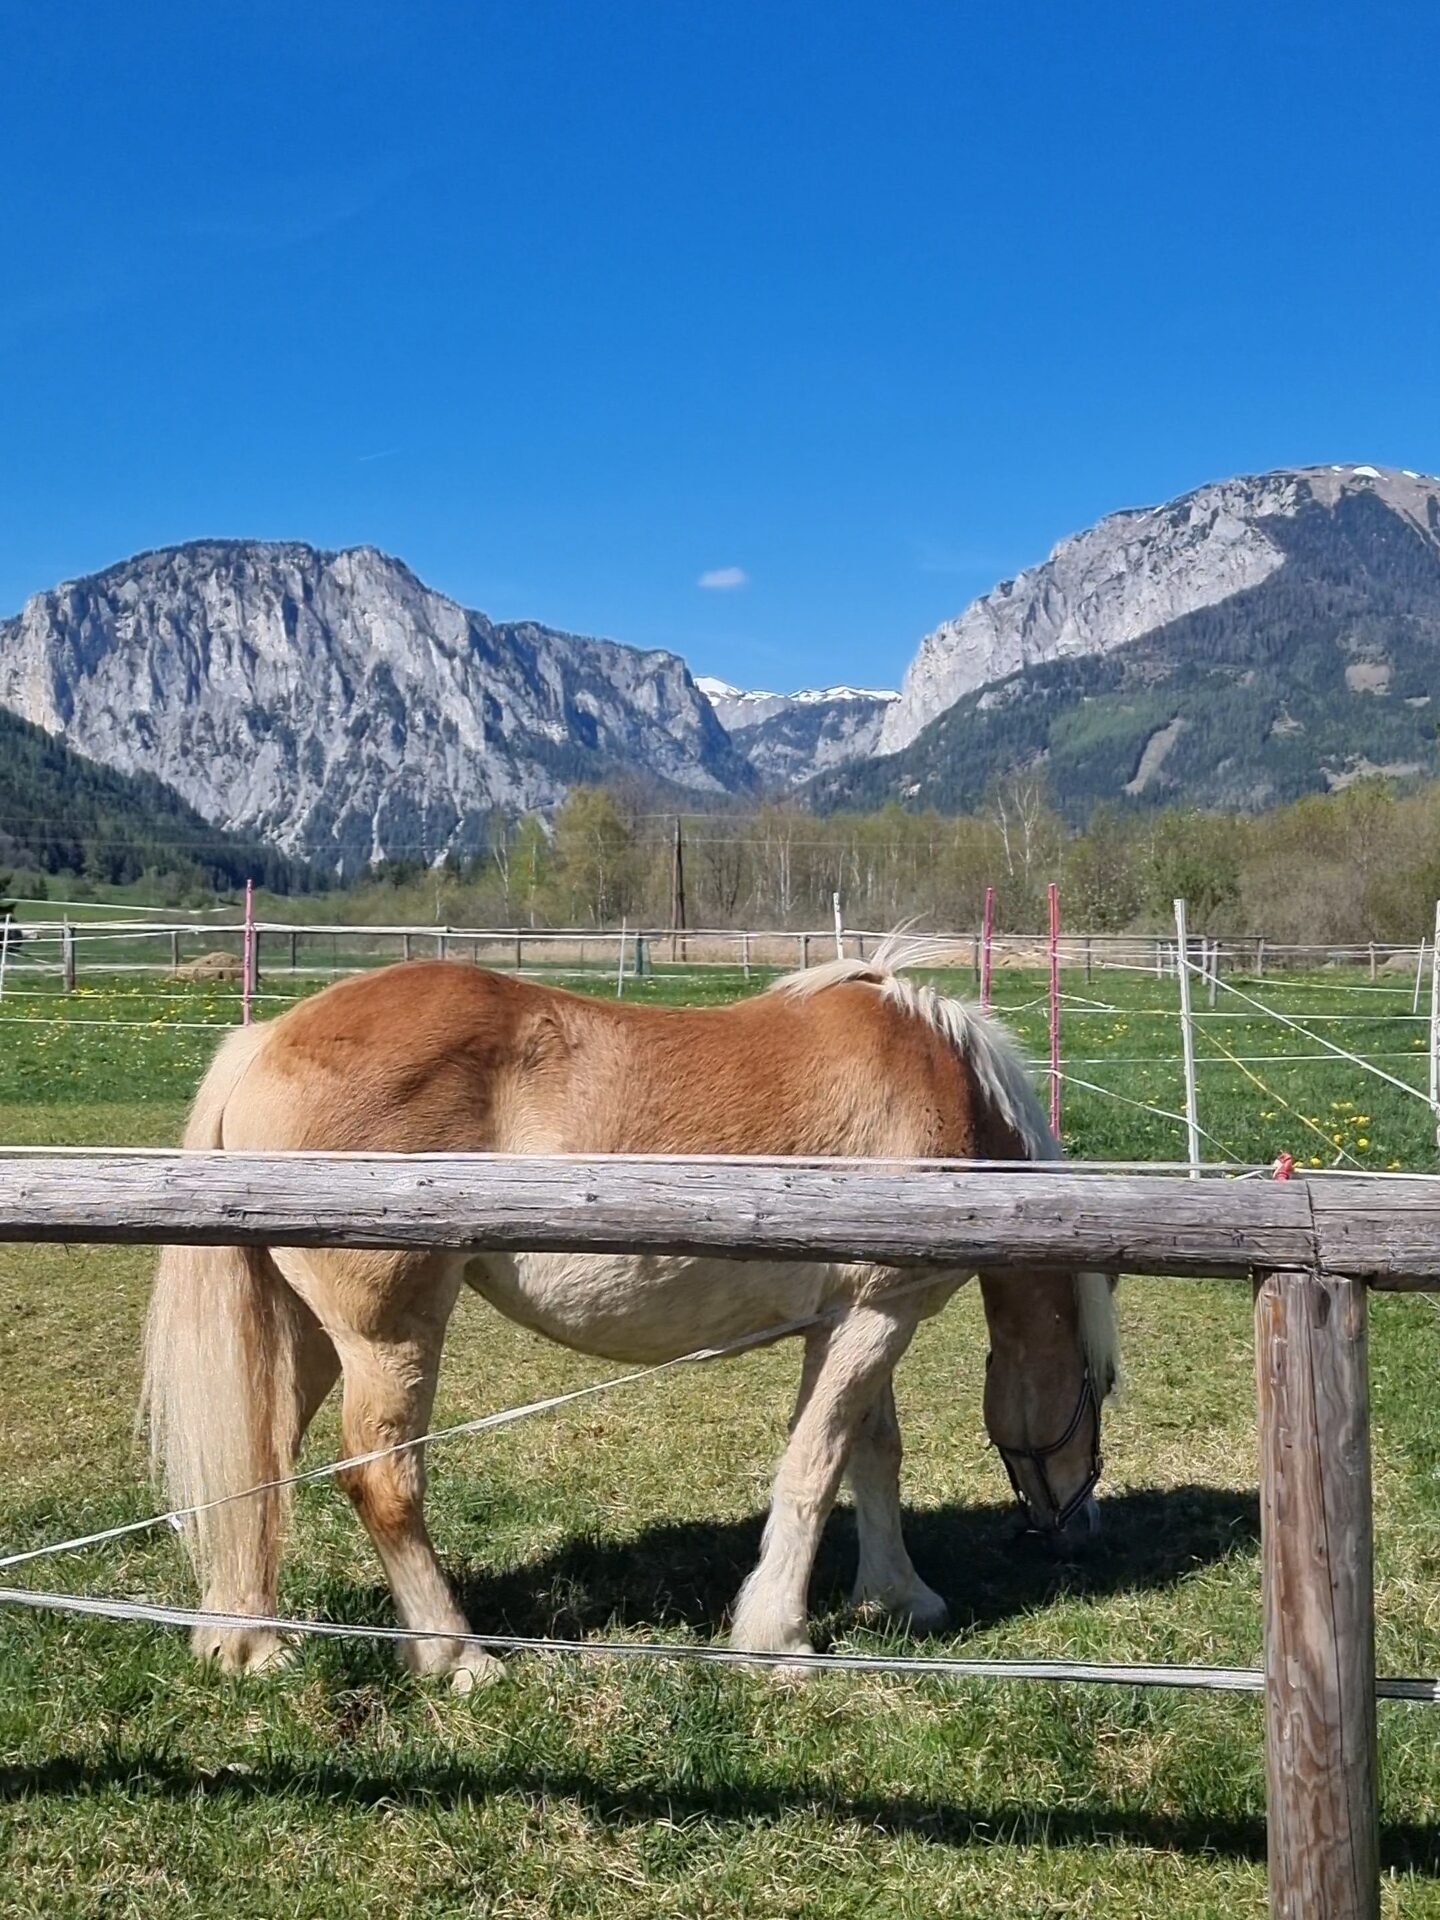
787, 737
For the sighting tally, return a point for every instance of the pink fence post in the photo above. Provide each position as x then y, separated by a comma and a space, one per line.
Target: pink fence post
1055, 1009
987, 936
247, 973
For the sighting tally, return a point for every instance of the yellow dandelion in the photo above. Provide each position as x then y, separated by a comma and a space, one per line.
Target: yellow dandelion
1363, 1141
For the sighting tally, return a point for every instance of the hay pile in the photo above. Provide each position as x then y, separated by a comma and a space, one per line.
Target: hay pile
210, 966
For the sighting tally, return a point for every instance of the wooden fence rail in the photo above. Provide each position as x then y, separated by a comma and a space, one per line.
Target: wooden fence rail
1385, 1230
1313, 1248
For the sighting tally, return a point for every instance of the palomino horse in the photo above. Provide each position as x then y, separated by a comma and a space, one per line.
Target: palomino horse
243, 1345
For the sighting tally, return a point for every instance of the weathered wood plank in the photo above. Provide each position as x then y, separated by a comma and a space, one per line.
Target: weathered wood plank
779, 1210
1386, 1231
1315, 1523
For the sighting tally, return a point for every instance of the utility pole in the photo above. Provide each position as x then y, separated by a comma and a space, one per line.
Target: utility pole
678, 946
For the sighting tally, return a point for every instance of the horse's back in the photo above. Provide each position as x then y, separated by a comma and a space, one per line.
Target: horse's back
436, 1056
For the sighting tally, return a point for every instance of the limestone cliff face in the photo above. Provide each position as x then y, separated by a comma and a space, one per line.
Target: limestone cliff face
1131, 574
337, 706
1297, 650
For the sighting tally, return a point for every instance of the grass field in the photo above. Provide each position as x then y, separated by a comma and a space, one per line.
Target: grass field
134, 1783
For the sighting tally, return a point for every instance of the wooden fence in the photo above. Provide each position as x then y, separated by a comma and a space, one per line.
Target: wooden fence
1312, 1249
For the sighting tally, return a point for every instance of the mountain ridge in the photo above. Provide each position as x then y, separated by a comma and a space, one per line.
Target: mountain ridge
1251, 640
1323, 670
1131, 573
790, 737
332, 703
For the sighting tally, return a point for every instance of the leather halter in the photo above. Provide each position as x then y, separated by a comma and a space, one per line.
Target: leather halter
1036, 1457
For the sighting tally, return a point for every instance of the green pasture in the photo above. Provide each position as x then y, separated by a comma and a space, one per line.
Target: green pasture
132, 1783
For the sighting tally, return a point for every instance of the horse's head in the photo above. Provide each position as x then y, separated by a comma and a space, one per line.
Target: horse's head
1053, 1360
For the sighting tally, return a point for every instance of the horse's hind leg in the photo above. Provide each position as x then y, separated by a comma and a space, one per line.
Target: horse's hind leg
845, 1366
390, 1373
886, 1576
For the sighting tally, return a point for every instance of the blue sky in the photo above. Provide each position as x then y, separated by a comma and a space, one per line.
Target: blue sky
573, 304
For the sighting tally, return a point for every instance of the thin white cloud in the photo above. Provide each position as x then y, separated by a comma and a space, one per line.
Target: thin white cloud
723, 579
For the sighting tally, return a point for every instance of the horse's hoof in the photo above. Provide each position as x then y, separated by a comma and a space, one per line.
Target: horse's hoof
476, 1670
780, 1641
791, 1678
923, 1611
243, 1650
920, 1609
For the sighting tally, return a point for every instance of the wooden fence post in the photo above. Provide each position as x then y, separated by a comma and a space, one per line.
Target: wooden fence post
174, 951
1315, 1526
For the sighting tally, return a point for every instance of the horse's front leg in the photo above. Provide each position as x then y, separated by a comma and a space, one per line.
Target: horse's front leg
390, 1378
845, 1364
886, 1577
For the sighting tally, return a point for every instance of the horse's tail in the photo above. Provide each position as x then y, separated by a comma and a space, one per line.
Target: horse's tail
222, 1343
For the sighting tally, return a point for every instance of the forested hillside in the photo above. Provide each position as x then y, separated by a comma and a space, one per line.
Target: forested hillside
1327, 670
62, 813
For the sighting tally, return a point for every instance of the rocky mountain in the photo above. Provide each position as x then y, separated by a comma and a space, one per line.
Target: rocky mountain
336, 706
1249, 642
789, 737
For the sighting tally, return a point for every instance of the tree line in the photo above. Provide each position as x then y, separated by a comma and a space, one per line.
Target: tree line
1357, 865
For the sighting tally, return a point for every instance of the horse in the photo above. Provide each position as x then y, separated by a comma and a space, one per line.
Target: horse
850, 1058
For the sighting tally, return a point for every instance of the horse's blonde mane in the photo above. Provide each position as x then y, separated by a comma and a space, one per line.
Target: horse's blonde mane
1004, 1078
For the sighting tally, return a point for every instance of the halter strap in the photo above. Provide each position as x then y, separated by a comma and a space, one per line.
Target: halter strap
1036, 1457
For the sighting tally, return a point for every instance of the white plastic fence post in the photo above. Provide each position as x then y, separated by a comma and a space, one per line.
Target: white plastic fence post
620, 966
1435, 1025
4, 952
1187, 1040
247, 955
1419, 970
839, 929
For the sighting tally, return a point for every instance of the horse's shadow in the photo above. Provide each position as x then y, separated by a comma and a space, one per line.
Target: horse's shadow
685, 1574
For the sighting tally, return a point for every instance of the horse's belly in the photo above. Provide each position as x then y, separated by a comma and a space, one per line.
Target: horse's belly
642, 1309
